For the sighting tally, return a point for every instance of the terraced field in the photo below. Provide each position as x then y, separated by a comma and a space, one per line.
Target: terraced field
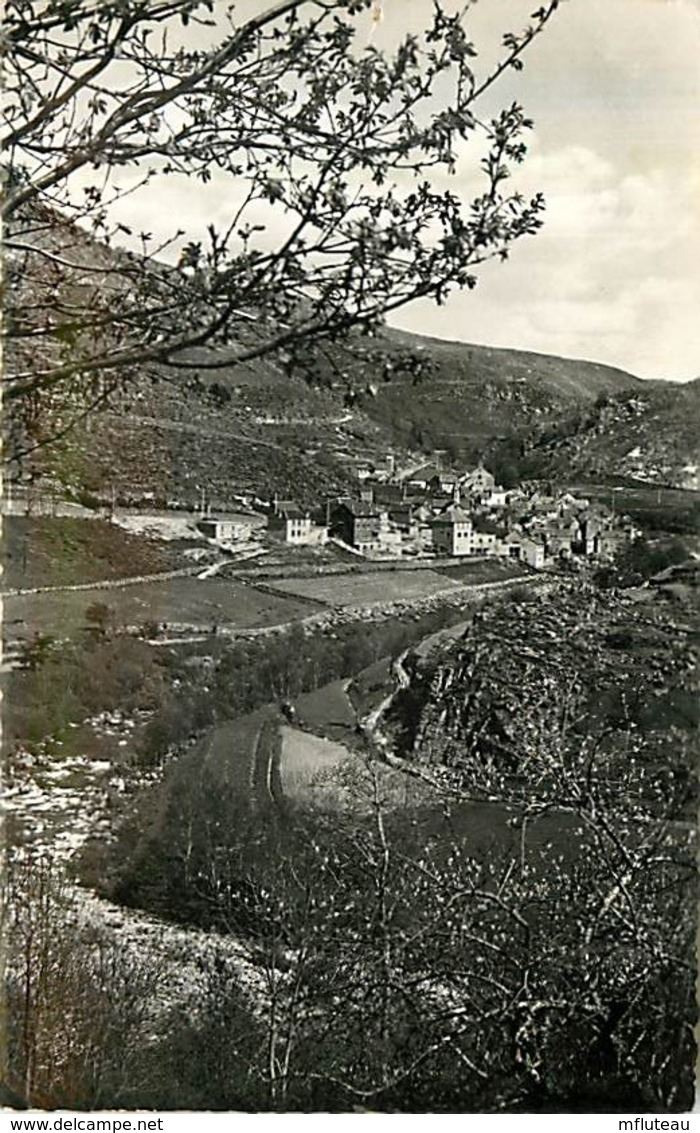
264, 763
322, 773
367, 589
327, 707
243, 756
479, 570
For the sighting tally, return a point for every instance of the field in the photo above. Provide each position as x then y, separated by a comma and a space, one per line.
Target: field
368, 589
201, 603
371, 686
483, 570
489, 830
309, 767
243, 757
262, 762
320, 772
326, 707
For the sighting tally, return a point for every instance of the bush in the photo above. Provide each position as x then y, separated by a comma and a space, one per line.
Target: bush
640, 561
67, 683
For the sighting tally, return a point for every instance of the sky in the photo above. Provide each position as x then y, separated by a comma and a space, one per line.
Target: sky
614, 89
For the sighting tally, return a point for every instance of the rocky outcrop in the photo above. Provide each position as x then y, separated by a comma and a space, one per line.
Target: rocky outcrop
536, 667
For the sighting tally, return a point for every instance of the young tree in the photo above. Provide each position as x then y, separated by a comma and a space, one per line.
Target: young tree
399, 960
77, 1006
323, 145
383, 969
592, 755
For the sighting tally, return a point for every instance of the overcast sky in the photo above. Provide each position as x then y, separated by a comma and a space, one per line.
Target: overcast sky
614, 88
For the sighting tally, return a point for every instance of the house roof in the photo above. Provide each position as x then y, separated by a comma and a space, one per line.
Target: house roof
360, 509
293, 512
453, 514
425, 472
479, 472
530, 542
235, 520
390, 493
593, 520
522, 537
486, 526
439, 502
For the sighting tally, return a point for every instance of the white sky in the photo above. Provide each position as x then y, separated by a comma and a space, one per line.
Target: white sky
614, 88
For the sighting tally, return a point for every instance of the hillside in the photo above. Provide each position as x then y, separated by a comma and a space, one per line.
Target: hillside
258, 430
478, 401
54, 551
559, 731
650, 433
300, 426
497, 368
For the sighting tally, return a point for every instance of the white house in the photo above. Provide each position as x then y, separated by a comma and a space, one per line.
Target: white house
224, 530
478, 482
452, 531
519, 546
297, 527
484, 543
497, 498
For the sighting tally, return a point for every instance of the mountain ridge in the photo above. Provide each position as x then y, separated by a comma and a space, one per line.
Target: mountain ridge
300, 426
514, 357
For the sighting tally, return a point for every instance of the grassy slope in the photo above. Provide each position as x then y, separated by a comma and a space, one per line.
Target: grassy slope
53, 551
564, 377
172, 461
199, 603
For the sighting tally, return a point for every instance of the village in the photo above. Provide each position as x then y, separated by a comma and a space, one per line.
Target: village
429, 511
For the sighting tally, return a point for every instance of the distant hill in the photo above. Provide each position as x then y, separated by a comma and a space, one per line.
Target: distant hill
649, 433
256, 430
552, 376
479, 401
265, 428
